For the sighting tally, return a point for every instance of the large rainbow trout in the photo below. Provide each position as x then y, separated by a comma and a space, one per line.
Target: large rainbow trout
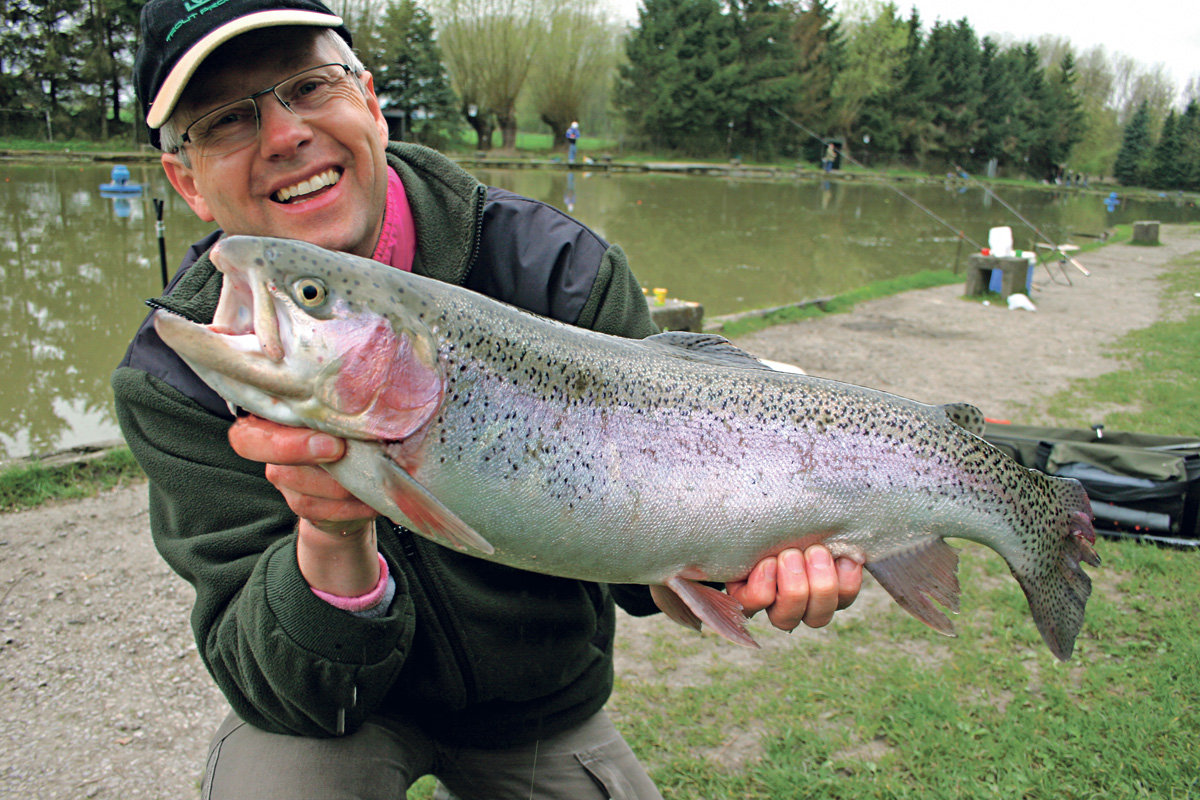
667, 461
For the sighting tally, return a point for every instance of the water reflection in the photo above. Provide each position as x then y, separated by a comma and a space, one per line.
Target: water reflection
77, 266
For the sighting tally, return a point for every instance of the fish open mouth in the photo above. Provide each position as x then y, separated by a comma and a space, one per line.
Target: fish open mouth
308, 189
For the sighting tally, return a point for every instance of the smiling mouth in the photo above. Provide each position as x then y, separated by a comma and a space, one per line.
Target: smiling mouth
306, 190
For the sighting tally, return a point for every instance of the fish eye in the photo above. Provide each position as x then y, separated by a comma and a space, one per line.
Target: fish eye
309, 292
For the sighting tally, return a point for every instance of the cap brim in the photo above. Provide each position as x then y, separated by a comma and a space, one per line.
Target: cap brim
172, 88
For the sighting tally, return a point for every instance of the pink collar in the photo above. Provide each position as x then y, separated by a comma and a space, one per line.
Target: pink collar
398, 239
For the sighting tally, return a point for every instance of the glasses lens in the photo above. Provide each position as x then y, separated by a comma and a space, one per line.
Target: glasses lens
224, 130
234, 126
310, 89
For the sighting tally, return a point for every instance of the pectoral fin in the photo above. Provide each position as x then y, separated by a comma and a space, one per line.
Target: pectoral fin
426, 514
690, 603
914, 577
384, 485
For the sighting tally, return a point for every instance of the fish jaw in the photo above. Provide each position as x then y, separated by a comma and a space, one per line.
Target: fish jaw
331, 366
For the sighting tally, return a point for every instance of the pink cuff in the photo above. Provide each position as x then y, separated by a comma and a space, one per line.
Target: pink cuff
364, 601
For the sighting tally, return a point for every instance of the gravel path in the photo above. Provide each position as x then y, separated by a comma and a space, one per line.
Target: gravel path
104, 694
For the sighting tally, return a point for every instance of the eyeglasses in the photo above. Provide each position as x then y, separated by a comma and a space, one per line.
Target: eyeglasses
235, 125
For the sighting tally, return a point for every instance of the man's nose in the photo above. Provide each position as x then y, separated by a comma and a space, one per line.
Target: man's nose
280, 130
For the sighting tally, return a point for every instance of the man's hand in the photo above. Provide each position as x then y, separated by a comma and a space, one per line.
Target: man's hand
797, 587
336, 545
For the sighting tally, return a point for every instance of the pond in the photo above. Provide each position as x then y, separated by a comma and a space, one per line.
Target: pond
77, 266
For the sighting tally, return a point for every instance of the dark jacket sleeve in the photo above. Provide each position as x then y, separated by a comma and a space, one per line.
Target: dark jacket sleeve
222, 526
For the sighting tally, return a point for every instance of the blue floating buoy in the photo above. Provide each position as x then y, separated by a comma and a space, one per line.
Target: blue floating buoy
120, 182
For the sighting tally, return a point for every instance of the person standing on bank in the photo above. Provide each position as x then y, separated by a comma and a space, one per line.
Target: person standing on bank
357, 657
572, 141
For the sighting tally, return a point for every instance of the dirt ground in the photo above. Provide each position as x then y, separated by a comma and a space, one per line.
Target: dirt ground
103, 694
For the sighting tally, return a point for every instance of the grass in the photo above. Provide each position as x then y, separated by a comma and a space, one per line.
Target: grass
1158, 389
881, 707
29, 486
840, 303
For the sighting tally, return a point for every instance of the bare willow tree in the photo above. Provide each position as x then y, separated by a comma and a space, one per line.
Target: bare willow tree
576, 62
489, 46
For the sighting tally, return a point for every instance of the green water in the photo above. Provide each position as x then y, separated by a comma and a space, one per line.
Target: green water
76, 267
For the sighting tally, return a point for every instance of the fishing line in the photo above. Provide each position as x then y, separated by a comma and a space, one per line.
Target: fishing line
961, 234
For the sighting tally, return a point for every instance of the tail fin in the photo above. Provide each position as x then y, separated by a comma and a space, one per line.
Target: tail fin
1055, 585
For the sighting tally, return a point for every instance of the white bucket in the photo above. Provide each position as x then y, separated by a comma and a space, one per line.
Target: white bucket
1000, 242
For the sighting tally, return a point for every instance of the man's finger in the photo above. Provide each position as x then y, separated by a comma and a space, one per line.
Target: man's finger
758, 590
822, 587
849, 581
791, 591
262, 440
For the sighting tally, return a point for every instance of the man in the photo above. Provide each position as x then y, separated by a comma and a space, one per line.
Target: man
357, 657
572, 141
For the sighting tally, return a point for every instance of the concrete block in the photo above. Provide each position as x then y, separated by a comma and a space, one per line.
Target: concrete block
1015, 271
677, 315
1145, 232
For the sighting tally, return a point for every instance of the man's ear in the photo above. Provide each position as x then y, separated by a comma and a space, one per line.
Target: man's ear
184, 181
368, 81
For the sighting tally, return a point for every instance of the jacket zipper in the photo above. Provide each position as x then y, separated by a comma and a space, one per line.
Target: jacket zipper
480, 204
445, 622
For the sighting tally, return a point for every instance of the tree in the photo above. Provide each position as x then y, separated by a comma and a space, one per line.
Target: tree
400, 50
1166, 170
815, 35
575, 62
1065, 124
954, 57
1189, 145
1101, 133
911, 108
760, 79
872, 69
1130, 166
669, 88
999, 133
489, 46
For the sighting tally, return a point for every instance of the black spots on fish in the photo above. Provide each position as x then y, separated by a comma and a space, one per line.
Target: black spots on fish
259, 262
580, 385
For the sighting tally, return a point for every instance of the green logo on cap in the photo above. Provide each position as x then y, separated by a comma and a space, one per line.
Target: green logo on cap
194, 8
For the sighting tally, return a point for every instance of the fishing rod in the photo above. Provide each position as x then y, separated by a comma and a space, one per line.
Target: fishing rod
961, 234
1053, 245
160, 229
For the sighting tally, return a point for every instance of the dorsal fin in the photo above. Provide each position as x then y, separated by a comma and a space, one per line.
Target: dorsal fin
966, 416
706, 347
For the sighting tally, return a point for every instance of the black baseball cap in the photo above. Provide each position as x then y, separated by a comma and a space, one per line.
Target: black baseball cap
177, 35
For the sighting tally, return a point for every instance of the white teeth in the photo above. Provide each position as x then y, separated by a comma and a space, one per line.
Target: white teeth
327, 178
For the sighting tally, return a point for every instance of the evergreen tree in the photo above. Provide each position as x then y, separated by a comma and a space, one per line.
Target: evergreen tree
999, 135
400, 49
954, 57
1066, 122
1189, 146
1166, 171
669, 89
912, 107
1035, 115
1130, 166
760, 79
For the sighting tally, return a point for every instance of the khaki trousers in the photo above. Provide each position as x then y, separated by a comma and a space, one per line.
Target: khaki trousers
384, 757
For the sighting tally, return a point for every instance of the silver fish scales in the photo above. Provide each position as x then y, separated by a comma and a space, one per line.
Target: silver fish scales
666, 461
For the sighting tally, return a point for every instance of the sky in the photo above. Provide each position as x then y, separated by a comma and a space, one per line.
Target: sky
1149, 31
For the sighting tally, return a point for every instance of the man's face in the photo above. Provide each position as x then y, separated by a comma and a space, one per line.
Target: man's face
343, 141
